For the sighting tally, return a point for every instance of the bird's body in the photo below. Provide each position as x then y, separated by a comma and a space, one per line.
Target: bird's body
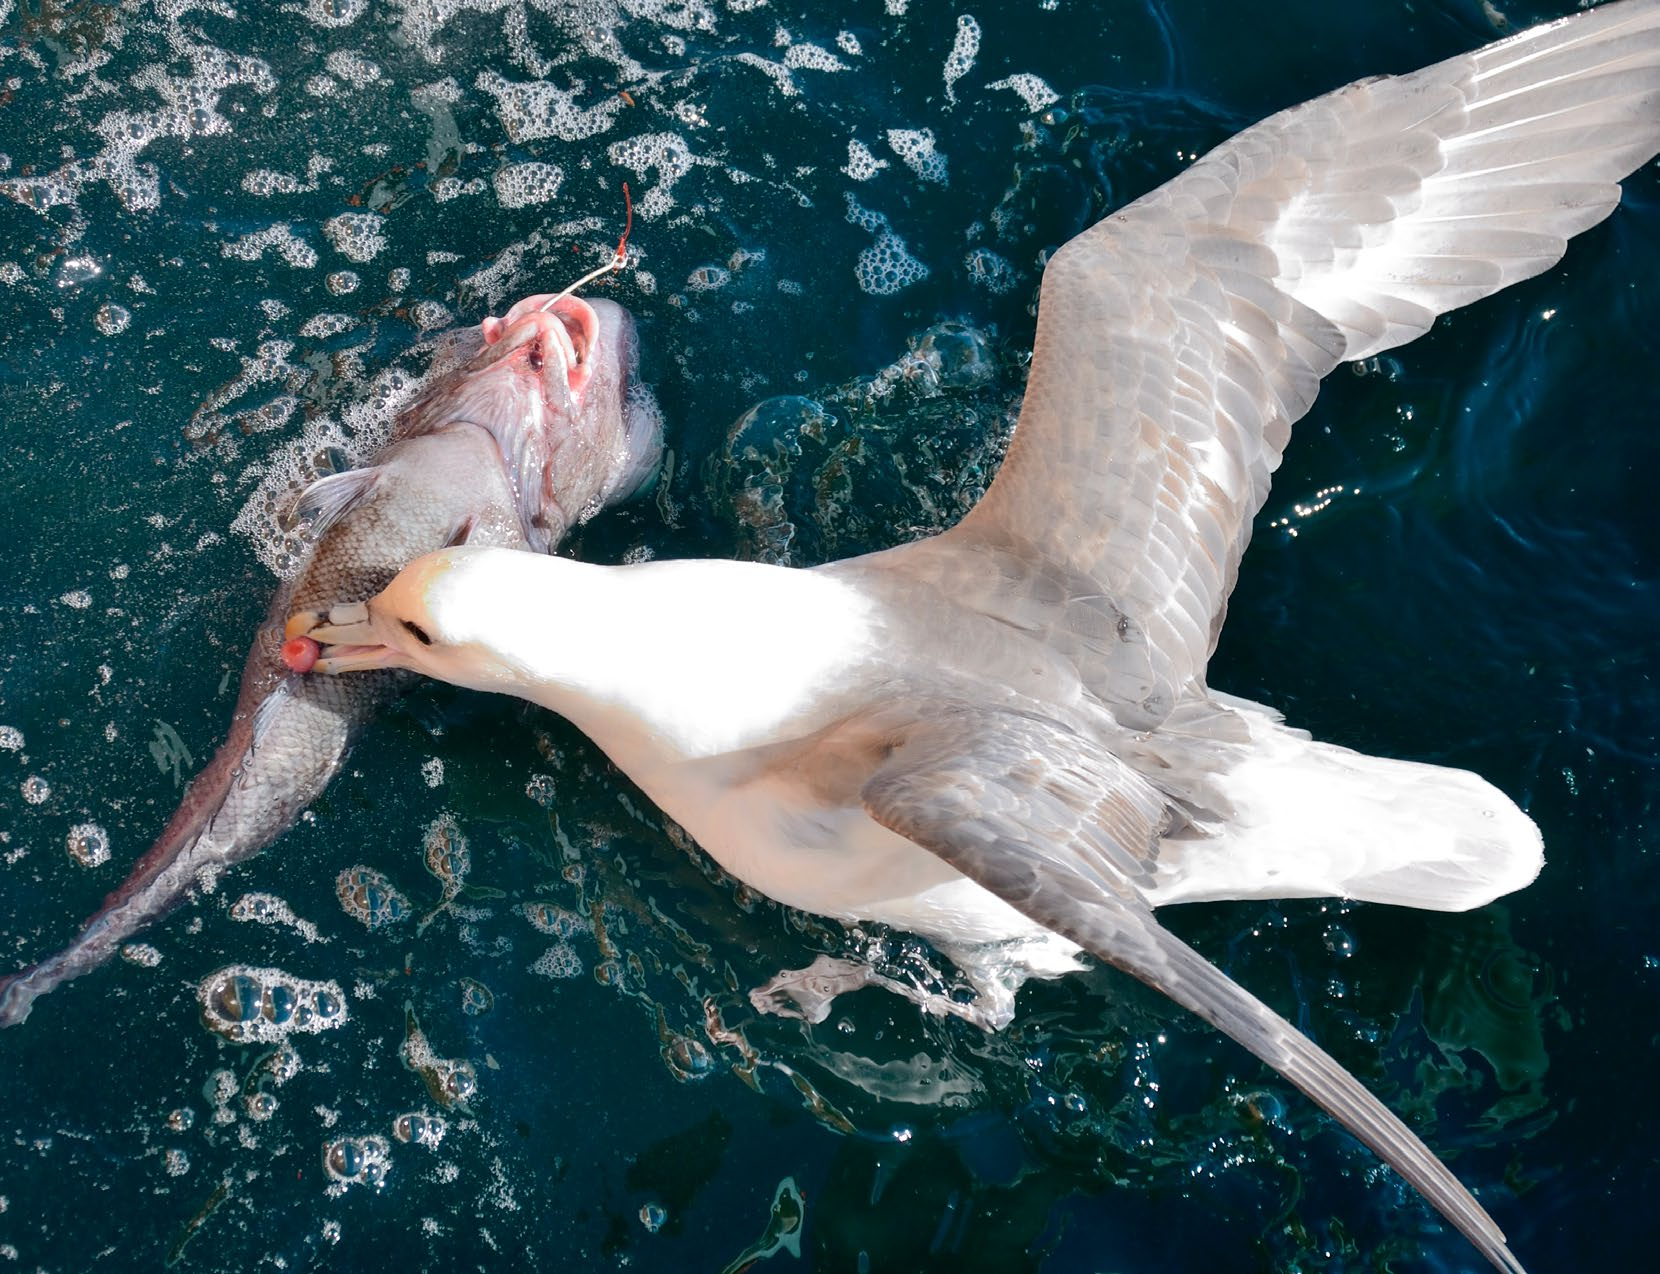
1003, 734
759, 715
747, 720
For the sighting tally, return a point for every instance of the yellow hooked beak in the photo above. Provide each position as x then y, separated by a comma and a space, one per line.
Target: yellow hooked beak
347, 636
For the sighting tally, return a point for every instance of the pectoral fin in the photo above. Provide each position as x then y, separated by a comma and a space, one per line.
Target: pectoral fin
329, 499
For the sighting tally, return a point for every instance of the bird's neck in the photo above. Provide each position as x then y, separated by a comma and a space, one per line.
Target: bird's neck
668, 661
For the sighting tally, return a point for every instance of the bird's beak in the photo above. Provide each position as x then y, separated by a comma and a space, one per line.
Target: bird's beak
347, 636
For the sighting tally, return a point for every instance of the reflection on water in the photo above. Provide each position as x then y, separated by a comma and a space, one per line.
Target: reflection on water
233, 242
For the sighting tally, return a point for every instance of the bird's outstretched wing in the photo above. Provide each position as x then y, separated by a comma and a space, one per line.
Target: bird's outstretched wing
1179, 339
1061, 829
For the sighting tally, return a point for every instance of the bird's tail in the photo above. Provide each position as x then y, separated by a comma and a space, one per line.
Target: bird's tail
1311, 820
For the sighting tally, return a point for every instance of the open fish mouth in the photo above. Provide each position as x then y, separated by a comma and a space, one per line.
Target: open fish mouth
565, 331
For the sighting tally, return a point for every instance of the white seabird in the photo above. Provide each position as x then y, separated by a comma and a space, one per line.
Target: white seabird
1001, 737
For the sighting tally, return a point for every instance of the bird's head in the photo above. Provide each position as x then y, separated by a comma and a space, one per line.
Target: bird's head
419, 621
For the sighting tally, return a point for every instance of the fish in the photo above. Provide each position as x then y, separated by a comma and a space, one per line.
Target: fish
539, 428
1001, 737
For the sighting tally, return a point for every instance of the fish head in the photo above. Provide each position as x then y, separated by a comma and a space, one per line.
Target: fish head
553, 384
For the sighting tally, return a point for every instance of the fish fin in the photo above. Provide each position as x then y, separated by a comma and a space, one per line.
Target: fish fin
268, 709
329, 499
1059, 828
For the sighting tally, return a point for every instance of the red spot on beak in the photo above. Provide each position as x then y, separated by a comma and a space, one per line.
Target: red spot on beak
300, 653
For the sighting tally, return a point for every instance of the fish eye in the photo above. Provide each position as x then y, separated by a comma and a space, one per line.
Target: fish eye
419, 633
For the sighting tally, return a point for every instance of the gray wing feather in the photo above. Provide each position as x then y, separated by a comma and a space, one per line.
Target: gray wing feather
1179, 339
1063, 831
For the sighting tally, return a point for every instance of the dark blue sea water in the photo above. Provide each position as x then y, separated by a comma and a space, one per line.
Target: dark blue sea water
1458, 563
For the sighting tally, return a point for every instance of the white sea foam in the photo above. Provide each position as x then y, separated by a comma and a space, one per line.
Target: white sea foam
520, 185
359, 236
915, 147
887, 266
964, 49
353, 68
279, 238
1034, 91
538, 108
665, 154
862, 164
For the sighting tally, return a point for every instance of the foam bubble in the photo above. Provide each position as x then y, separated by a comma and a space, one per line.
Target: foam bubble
354, 68
476, 998
417, 1129
141, 954
260, 1106
989, 270
558, 961
268, 909
862, 164
35, 789
538, 109
915, 146
809, 57
268, 365
886, 267
451, 1081
367, 895
520, 185
356, 235
430, 315
264, 182
554, 920
248, 1005
446, 854
448, 859
280, 239
89, 844
335, 13
664, 153
11, 739
708, 278
777, 72
687, 1058
320, 326
964, 49
112, 319
448, 188
351, 1161
189, 108
1033, 91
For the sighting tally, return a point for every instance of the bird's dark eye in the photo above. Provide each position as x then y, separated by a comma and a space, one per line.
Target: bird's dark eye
419, 633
